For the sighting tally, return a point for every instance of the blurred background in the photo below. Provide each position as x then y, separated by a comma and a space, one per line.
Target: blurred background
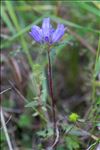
25, 99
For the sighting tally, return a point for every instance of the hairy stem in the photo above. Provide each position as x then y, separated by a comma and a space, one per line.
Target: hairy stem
51, 93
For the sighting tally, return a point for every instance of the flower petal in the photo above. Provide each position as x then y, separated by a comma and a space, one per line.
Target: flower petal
57, 35
46, 29
52, 30
36, 33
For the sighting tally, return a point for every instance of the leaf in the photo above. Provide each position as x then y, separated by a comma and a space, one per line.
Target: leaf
32, 104
21, 32
24, 121
6, 19
60, 148
97, 67
89, 8
72, 143
12, 14
3, 138
72, 24
44, 91
45, 133
98, 100
96, 3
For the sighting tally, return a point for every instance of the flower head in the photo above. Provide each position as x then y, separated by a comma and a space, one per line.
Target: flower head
47, 34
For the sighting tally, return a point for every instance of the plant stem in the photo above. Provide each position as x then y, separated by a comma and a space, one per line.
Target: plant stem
5, 130
51, 93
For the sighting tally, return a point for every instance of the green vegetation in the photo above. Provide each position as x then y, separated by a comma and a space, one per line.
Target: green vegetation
25, 96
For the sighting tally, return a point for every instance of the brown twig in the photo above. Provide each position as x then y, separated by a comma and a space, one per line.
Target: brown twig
57, 137
7, 121
5, 91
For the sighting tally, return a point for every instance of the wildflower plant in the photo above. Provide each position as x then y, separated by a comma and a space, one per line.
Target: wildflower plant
49, 36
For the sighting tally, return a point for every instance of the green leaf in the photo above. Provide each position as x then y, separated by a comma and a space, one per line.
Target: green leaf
12, 14
72, 24
24, 121
32, 104
21, 32
6, 19
97, 67
44, 91
60, 148
72, 143
89, 8
3, 138
45, 133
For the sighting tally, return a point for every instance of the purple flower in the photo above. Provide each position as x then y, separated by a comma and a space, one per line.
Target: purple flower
47, 34
46, 29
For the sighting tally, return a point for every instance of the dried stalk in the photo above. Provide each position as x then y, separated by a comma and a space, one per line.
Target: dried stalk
5, 130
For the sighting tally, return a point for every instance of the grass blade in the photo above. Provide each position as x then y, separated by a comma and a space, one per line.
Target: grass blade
89, 8
71, 24
6, 19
